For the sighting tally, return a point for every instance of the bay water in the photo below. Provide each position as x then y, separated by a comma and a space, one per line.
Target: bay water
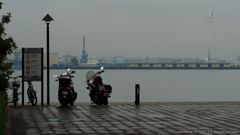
155, 85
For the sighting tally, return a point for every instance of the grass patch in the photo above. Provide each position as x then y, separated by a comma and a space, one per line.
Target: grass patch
2, 111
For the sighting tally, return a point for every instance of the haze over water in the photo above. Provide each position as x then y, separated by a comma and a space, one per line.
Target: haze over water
130, 28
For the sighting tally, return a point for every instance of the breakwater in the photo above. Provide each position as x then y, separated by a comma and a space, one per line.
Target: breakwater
155, 66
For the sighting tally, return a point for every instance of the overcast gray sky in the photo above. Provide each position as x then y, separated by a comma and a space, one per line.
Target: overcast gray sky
130, 28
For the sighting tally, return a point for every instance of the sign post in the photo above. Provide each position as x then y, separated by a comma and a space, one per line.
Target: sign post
32, 67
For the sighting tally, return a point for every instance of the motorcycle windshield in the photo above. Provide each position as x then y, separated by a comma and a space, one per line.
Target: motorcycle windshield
89, 75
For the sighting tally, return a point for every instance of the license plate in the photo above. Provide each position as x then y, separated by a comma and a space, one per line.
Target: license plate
64, 92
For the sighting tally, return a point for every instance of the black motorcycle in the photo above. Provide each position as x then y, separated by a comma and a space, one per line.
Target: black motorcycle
99, 92
66, 92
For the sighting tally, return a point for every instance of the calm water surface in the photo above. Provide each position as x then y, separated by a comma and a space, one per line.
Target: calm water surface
157, 85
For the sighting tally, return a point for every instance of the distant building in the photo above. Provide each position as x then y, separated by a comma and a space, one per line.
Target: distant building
66, 60
238, 58
84, 57
53, 59
17, 60
69, 60
93, 61
118, 60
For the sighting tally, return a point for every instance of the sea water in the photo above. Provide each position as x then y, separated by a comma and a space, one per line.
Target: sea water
155, 85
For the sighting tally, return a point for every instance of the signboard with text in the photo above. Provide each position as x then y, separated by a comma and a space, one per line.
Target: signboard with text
32, 63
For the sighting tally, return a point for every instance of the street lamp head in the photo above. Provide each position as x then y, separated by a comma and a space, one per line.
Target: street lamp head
47, 19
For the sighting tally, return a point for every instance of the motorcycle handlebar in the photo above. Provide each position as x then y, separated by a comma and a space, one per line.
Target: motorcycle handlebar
99, 72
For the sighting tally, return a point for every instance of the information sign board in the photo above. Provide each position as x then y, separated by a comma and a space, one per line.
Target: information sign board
32, 58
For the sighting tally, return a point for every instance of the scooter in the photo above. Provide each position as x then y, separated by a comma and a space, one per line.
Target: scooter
99, 92
66, 92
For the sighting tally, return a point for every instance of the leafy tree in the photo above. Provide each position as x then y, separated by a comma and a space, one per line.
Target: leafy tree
7, 45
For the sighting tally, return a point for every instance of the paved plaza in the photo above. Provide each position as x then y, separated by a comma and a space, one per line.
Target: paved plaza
126, 118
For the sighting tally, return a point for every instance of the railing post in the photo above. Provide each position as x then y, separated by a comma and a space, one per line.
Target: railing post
137, 94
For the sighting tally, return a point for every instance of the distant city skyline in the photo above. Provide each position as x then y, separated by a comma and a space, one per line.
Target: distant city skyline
129, 28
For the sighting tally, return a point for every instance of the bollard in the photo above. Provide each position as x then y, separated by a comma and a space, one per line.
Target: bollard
137, 94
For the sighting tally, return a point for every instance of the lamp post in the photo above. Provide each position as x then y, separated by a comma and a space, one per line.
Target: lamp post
47, 19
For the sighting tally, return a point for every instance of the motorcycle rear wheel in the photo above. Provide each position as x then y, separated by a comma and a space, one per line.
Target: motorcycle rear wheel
101, 101
63, 101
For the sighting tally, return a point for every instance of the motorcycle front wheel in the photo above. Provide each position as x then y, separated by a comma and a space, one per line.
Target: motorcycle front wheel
105, 101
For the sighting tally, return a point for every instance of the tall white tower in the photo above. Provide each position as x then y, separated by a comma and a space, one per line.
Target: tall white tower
211, 32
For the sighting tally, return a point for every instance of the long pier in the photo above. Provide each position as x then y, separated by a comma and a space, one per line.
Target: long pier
184, 66
179, 66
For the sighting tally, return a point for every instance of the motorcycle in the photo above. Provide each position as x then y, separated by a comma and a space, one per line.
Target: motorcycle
99, 92
66, 92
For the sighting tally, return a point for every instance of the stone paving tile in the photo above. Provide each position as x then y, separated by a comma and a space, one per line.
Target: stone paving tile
126, 118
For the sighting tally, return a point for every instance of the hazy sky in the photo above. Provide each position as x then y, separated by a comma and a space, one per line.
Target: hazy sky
130, 28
